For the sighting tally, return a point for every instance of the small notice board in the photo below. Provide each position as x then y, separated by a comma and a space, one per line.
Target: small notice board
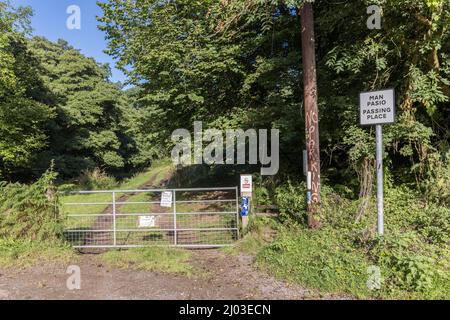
246, 184
147, 221
166, 199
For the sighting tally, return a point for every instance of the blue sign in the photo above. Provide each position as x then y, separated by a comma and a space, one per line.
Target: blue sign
245, 206
308, 197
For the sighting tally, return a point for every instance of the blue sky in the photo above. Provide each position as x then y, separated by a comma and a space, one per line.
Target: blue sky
50, 18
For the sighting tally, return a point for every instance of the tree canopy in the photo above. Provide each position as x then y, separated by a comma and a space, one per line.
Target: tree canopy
229, 64
23, 96
56, 104
238, 63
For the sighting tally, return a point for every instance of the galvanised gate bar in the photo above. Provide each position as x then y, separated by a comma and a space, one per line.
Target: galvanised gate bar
196, 217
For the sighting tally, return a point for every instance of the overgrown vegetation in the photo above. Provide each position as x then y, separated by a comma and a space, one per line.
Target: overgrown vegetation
30, 211
156, 259
413, 256
31, 227
96, 179
28, 253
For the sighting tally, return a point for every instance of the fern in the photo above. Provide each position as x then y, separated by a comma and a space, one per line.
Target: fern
30, 211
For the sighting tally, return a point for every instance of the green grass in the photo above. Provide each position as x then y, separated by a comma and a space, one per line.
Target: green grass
24, 253
260, 232
308, 258
159, 168
155, 259
305, 257
250, 244
412, 257
327, 260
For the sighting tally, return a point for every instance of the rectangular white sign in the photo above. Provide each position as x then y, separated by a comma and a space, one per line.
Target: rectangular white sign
305, 162
377, 107
166, 199
147, 221
246, 183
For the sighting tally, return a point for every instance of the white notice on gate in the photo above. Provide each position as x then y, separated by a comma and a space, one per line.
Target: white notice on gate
147, 221
166, 199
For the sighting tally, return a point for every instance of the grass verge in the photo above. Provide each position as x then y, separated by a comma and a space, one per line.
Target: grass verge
308, 258
28, 253
159, 170
260, 233
329, 261
346, 256
155, 259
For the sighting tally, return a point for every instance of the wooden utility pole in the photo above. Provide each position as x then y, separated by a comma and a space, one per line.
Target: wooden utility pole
311, 112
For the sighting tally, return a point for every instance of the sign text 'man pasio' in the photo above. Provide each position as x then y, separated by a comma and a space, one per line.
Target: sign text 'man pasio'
377, 107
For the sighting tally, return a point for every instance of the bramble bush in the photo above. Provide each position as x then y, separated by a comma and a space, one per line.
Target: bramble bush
290, 199
411, 265
437, 183
434, 224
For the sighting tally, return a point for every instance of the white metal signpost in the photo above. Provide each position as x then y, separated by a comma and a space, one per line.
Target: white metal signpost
378, 108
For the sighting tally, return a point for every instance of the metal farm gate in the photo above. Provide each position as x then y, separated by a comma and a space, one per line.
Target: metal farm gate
197, 218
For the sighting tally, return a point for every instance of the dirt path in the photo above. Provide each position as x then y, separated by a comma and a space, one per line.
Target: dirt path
227, 277
106, 220
219, 276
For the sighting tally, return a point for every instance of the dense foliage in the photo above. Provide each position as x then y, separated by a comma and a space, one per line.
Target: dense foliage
23, 108
30, 211
412, 257
56, 104
229, 64
238, 63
